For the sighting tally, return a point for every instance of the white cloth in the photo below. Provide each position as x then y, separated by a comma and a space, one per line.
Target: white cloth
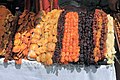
31, 70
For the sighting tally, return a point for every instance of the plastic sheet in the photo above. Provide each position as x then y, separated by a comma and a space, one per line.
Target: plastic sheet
31, 70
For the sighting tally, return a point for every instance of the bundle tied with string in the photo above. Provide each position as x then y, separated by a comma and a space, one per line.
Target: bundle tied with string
27, 21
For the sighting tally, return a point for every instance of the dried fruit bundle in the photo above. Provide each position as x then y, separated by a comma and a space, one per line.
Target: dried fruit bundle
7, 30
110, 41
44, 39
70, 42
3, 15
22, 38
86, 37
10, 26
97, 27
60, 32
100, 34
103, 47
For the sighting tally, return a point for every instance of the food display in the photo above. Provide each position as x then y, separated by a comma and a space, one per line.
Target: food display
71, 35
91, 35
7, 31
44, 38
56, 37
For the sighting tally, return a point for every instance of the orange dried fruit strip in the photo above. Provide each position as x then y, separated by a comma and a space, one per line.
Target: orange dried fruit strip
68, 45
103, 38
97, 34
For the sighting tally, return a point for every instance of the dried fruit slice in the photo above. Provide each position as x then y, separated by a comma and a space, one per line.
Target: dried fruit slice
32, 54
16, 49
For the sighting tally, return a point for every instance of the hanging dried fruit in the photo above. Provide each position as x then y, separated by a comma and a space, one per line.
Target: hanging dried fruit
4, 28
7, 31
22, 37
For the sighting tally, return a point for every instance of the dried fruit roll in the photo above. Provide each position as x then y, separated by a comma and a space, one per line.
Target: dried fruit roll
70, 49
97, 27
44, 38
81, 34
60, 32
110, 41
86, 37
103, 48
89, 40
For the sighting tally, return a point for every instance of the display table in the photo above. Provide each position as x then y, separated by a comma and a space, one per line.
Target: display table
31, 70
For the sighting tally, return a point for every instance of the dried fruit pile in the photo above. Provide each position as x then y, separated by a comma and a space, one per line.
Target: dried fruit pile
103, 38
23, 35
100, 34
7, 31
44, 38
86, 37
110, 41
91, 38
3, 41
60, 32
61, 36
70, 42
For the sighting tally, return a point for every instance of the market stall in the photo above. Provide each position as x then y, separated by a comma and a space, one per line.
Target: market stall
67, 41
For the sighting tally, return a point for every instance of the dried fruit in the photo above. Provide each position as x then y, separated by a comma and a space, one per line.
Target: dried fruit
44, 37
71, 23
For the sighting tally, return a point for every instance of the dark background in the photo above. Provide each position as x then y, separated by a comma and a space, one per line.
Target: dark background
109, 6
